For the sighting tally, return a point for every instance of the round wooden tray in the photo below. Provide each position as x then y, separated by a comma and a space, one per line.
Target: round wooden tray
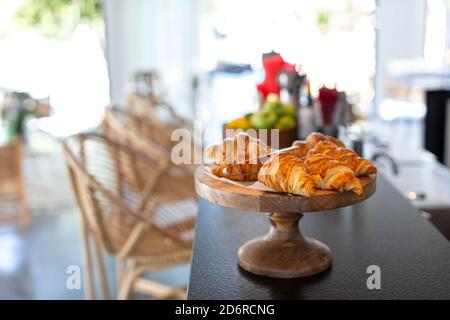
283, 252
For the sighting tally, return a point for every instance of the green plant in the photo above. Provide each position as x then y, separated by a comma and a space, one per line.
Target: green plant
323, 18
57, 17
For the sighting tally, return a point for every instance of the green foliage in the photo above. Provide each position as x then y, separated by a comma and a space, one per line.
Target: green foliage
323, 18
58, 17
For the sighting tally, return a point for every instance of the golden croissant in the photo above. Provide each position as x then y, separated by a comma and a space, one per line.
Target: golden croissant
241, 172
320, 162
315, 137
287, 173
240, 148
334, 175
301, 150
360, 166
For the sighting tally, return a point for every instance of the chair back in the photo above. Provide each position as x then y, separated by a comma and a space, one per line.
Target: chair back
10, 162
158, 109
113, 184
148, 135
141, 131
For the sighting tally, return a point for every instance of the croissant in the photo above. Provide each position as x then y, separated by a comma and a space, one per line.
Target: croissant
287, 173
315, 137
241, 172
301, 150
239, 148
334, 174
214, 154
322, 147
360, 166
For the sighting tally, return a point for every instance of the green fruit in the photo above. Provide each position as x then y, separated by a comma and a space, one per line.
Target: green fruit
288, 110
286, 122
263, 120
248, 115
272, 106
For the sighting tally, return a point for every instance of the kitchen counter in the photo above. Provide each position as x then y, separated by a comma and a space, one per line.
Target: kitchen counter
429, 179
385, 230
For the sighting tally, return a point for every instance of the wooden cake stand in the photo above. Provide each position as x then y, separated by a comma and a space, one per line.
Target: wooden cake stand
283, 252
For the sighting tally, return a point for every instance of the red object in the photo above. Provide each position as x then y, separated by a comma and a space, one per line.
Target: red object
273, 65
327, 98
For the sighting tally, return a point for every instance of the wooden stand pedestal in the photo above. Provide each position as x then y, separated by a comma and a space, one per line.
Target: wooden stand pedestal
284, 252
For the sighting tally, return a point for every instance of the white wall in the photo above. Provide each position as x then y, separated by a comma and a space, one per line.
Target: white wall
153, 35
400, 35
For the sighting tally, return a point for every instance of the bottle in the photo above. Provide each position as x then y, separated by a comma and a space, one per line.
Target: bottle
305, 114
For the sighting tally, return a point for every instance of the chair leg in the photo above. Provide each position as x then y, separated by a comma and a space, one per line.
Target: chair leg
133, 282
101, 270
126, 286
120, 268
87, 265
159, 290
24, 214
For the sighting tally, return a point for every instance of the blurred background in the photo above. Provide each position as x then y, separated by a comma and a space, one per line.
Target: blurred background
62, 62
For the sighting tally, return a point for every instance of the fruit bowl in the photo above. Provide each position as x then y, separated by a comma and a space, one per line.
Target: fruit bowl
273, 115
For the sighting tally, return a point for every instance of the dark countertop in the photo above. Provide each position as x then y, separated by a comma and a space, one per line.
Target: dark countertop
385, 230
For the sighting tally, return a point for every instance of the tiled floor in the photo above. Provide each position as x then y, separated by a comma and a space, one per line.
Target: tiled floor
34, 260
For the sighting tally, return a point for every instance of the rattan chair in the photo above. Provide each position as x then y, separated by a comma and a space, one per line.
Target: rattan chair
123, 197
143, 134
155, 108
149, 105
151, 136
12, 187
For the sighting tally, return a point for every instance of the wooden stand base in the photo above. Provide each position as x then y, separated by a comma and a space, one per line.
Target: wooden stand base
284, 252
